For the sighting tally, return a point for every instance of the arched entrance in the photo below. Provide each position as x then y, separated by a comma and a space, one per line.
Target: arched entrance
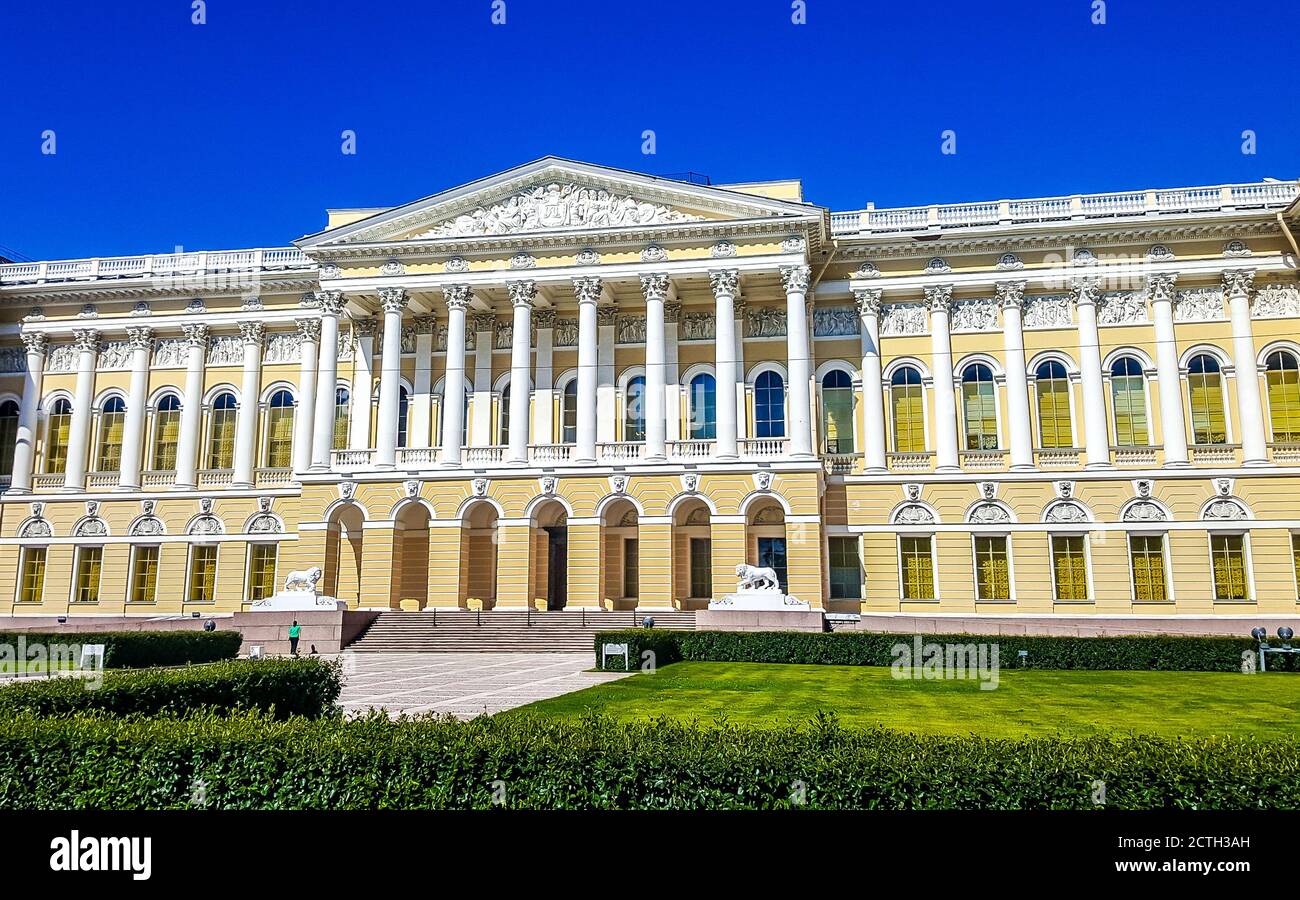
620, 552
478, 554
765, 542
343, 554
411, 555
549, 553
692, 555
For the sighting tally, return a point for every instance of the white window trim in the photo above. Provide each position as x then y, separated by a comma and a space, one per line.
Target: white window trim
1252, 596
1087, 566
76, 573
1164, 556
248, 567
1011, 567
22, 570
934, 568
130, 575
189, 573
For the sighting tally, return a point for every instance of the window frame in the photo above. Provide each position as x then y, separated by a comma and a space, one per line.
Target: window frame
1248, 574
1146, 398
1268, 391
856, 540
189, 572
213, 411
851, 391
249, 558
277, 411
1190, 412
1069, 380
1163, 537
43, 549
890, 407
934, 569
77, 561
155, 443
133, 570
979, 384
975, 565
1088, 586
767, 374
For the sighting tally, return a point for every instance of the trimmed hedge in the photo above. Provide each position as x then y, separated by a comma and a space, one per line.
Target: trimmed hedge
280, 687
138, 649
859, 648
247, 761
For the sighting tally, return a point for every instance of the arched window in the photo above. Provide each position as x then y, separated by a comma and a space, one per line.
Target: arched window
503, 416
221, 432
1128, 395
56, 440
1053, 386
704, 408
634, 410
403, 415
979, 407
569, 413
279, 431
1205, 393
769, 405
8, 435
166, 432
112, 422
907, 408
1283, 377
342, 414
837, 411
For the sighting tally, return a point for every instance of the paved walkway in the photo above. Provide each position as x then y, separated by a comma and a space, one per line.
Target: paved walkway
462, 684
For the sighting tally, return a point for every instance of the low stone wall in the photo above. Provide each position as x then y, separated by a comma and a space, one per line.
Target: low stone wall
757, 620
1067, 626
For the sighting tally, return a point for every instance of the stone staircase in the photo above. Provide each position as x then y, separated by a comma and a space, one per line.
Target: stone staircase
502, 631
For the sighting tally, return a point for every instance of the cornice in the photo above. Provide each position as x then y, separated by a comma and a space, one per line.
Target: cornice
216, 287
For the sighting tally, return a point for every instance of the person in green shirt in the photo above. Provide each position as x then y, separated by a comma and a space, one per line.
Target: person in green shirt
294, 631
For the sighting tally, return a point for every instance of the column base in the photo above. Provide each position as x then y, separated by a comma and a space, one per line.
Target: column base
726, 457
1256, 462
1099, 465
803, 455
876, 470
586, 462
946, 469
1178, 464
655, 458
127, 487
1022, 467
449, 463
239, 484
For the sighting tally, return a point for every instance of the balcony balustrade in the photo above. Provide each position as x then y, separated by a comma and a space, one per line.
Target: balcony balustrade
1215, 454
1285, 453
1141, 457
910, 462
984, 460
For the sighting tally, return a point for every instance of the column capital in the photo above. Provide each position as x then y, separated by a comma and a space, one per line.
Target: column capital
725, 282
795, 278
457, 296
140, 338
1238, 282
588, 289
86, 339
196, 335
393, 299
308, 329
251, 332
656, 286
544, 318
1161, 286
331, 302
522, 293
1010, 293
424, 324
868, 300
939, 297
1086, 291
35, 341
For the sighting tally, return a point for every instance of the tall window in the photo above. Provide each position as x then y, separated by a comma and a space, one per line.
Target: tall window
704, 408
1147, 554
992, 567
32, 585
144, 574
1228, 558
112, 421
1053, 386
701, 567
1128, 395
403, 416
166, 432
631, 567
917, 567
634, 411
89, 561
56, 442
503, 416
203, 573
837, 412
569, 413
907, 403
1295, 557
1070, 566
279, 431
261, 571
845, 567
1205, 387
1283, 396
980, 407
769, 405
8, 435
221, 432
342, 413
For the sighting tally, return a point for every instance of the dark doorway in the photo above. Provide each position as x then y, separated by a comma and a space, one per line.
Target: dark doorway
557, 566
771, 555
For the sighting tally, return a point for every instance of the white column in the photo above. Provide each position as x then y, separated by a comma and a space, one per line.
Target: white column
246, 418
29, 413
740, 312
672, 390
1172, 424
939, 298
1096, 433
522, 296
304, 421
141, 343
1011, 295
363, 384
798, 351
390, 371
453, 383
87, 341
420, 410
1237, 285
327, 378
726, 283
544, 378
873, 399
480, 430
191, 425
588, 291
657, 290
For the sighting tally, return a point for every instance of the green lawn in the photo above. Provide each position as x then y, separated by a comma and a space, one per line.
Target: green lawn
1025, 703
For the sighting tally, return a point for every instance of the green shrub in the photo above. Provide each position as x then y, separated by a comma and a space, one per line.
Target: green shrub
860, 648
138, 649
663, 644
284, 687
250, 762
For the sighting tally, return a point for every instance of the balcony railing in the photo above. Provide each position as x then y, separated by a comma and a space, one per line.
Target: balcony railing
551, 453
841, 463
984, 460
1134, 456
157, 478
763, 448
621, 451
690, 449
169, 265
1059, 458
98, 481
1214, 454
47, 482
484, 456
351, 459
216, 477
277, 477
910, 462
417, 456
1285, 453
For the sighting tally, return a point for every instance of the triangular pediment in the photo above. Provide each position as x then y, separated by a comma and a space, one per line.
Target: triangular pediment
555, 196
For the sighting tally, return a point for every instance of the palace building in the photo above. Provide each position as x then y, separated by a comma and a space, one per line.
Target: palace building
574, 386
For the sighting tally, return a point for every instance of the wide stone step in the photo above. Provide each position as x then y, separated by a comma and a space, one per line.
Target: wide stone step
506, 631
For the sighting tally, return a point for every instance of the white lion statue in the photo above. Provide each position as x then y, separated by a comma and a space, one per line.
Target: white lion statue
305, 580
754, 578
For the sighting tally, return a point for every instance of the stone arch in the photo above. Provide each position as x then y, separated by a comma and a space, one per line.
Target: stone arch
480, 519
344, 541
410, 565
692, 550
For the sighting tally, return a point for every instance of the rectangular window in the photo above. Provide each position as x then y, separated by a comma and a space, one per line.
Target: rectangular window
167, 435
1070, 566
1128, 394
992, 567
918, 567
279, 438
89, 561
56, 450
1295, 556
845, 568
701, 567
1147, 554
221, 442
144, 574
909, 418
32, 586
1205, 394
1228, 556
631, 568
109, 457
203, 573
261, 571
771, 555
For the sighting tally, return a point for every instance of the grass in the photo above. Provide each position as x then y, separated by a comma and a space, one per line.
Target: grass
1025, 703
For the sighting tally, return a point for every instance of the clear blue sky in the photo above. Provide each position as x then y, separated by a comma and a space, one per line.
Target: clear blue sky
228, 134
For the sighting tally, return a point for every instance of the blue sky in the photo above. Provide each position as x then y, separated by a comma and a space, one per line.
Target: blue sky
227, 134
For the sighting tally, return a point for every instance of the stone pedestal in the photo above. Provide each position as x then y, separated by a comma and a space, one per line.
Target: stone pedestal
297, 601
760, 600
